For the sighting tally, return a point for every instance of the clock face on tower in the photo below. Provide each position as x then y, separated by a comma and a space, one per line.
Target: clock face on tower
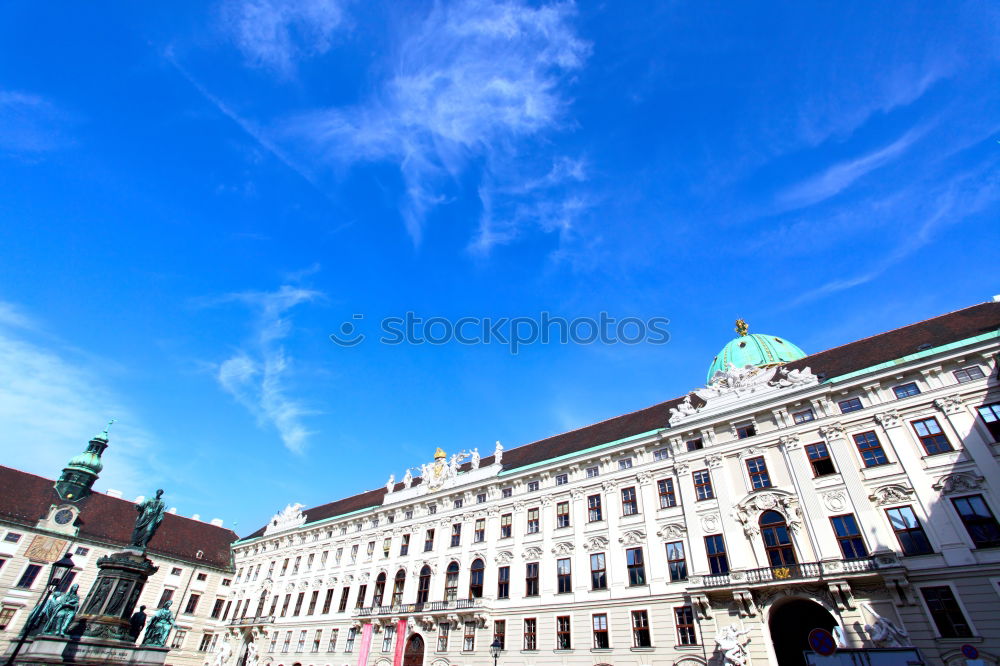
63, 516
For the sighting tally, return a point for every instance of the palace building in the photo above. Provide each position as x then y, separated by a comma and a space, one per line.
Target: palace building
853, 490
41, 520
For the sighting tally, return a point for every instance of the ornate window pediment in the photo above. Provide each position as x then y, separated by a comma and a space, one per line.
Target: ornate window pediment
563, 548
958, 482
672, 531
531, 553
504, 556
749, 509
892, 493
595, 543
632, 538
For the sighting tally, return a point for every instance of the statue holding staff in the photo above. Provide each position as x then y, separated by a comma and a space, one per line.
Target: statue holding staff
150, 516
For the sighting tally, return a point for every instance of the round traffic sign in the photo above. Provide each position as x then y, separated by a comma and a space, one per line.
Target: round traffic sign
970, 652
822, 643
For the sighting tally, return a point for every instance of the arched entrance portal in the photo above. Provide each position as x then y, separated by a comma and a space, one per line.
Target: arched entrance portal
790, 625
414, 653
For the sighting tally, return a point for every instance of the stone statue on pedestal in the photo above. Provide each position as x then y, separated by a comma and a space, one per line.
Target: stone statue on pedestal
64, 613
159, 627
150, 517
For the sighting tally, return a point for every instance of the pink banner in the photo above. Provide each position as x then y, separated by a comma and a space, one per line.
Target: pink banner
397, 659
366, 643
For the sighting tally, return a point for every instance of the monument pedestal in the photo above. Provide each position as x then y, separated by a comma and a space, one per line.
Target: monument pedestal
106, 611
89, 652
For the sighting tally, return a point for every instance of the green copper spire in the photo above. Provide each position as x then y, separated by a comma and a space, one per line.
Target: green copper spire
78, 477
756, 349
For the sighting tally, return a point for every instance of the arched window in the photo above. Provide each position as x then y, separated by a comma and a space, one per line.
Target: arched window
777, 540
476, 579
397, 588
451, 582
379, 590
424, 585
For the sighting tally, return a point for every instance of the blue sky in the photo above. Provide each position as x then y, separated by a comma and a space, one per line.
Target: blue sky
195, 195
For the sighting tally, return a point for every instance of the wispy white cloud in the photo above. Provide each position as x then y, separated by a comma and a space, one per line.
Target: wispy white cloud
842, 175
30, 124
257, 375
53, 399
277, 33
474, 79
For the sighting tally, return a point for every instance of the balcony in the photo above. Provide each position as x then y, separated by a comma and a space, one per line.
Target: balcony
412, 609
251, 621
831, 569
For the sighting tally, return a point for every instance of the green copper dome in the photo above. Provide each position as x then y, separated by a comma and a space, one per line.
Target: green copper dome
754, 349
88, 461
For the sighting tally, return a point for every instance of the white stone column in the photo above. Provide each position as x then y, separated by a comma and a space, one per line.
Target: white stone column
697, 557
738, 549
822, 543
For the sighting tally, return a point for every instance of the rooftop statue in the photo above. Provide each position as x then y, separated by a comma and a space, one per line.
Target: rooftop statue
150, 516
159, 626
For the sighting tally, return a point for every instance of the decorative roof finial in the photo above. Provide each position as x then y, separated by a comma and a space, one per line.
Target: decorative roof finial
742, 327
104, 433
440, 454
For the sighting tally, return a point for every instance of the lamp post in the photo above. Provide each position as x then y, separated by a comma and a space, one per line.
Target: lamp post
495, 648
59, 570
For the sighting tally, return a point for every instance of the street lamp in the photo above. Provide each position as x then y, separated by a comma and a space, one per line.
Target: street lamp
56, 575
495, 648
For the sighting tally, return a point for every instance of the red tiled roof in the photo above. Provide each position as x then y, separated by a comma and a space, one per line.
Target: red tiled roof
831, 363
26, 499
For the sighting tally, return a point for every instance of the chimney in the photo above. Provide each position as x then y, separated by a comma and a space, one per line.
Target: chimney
196, 516
172, 509
217, 522
114, 493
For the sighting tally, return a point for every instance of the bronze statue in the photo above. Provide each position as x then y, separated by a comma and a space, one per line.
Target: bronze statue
42, 613
150, 517
159, 627
64, 613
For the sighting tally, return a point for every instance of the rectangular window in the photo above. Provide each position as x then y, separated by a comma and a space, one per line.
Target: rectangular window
362, 593
65, 582
339, 554
203, 577
819, 459
407, 515
178, 641
313, 600
432, 509
533, 522
352, 633
804, 416
532, 486
625, 463
479, 533
298, 603
598, 572
331, 645
404, 547
217, 608
429, 540
28, 577
562, 633
481, 498
909, 532
978, 520
661, 454
947, 615
695, 444
968, 374
327, 602
715, 548
302, 641
371, 549
745, 430
386, 546
675, 560
456, 534
931, 436
564, 576
354, 553
759, 478
457, 504
593, 472
562, 514
6, 617
284, 606
990, 414
469, 639
530, 629
343, 601
225, 613
500, 633
870, 449
852, 545
503, 583
443, 630
318, 637
640, 629
388, 633
562, 479
906, 390
594, 513
630, 505
665, 487
274, 606
636, 567
506, 521
531, 579
849, 405
286, 644
685, 626
703, 485
274, 641
192, 604
506, 492
601, 640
